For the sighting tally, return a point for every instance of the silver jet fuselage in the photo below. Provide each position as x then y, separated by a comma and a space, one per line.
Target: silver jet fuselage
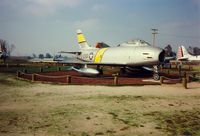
125, 55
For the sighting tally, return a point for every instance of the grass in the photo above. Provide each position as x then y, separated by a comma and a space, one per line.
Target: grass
180, 122
172, 123
32, 68
130, 119
121, 98
10, 80
53, 121
196, 68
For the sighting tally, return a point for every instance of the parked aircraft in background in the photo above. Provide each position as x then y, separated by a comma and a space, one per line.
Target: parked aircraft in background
183, 54
128, 55
54, 59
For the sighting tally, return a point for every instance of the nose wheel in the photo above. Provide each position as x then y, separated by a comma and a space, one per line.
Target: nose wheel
156, 75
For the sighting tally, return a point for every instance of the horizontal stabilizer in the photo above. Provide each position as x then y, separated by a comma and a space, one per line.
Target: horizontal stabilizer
71, 52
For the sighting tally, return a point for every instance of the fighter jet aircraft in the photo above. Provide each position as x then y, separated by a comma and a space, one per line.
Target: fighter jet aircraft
183, 54
131, 54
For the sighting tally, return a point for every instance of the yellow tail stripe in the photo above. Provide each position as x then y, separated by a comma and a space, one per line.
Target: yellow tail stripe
99, 55
81, 38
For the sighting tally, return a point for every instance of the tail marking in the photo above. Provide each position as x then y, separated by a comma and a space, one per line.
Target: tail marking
180, 53
81, 38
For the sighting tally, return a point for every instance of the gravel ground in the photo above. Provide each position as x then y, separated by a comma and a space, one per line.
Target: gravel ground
45, 109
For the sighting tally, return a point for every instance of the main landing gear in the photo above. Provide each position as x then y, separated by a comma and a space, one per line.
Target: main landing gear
100, 69
122, 71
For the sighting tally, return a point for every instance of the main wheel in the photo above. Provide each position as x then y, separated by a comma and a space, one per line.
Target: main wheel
156, 76
122, 71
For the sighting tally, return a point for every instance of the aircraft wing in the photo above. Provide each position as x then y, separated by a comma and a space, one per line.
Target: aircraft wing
183, 58
71, 61
74, 61
170, 58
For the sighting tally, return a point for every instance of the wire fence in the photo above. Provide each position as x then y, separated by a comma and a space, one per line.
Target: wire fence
70, 78
63, 75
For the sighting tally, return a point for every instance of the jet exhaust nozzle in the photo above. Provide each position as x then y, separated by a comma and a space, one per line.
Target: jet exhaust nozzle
161, 56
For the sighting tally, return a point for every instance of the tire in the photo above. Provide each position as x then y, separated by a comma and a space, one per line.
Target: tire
156, 76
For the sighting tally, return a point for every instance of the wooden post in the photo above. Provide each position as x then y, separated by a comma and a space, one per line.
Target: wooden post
184, 74
25, 70
194, 75
179, 70
161, 80
188, 78
69, 79
184, 81
176, 66
59, 68
33, 77
168, 71
18, 73
161, 67
41, 70
115, 80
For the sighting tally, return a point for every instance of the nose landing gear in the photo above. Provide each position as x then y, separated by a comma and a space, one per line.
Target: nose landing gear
156, 75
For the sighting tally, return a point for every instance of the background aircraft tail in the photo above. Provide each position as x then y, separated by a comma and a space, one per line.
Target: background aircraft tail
179, 53
182, 53
81, 40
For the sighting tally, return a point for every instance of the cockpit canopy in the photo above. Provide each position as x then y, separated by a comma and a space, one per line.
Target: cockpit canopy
136, 42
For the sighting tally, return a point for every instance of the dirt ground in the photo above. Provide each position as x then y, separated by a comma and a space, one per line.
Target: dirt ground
47, 109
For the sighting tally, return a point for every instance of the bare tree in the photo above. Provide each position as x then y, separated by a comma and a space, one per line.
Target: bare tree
34, 55
193, 50
11, 48
4, 46
41, 56
48, 55
196, 51
168, 51
6, 49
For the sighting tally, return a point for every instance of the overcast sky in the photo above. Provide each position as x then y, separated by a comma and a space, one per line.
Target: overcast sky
41, 26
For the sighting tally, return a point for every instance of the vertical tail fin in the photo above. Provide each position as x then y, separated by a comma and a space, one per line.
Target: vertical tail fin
185, 52
1, 48
81, 40
182, 53
179, 53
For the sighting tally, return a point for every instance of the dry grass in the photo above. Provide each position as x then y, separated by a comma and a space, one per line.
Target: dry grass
43, 109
